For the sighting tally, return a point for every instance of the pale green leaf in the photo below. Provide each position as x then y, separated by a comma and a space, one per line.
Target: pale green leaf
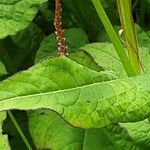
98, 139
16, 15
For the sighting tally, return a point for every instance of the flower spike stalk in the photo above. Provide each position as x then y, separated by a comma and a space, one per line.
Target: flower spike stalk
62, 49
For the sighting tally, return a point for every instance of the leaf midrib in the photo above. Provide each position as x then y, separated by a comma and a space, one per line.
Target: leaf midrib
58, 91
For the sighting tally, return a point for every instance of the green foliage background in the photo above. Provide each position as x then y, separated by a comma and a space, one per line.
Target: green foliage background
84, 101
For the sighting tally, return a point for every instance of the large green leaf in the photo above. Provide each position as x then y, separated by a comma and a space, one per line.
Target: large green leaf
3, 138
48, 130
16, 15
77, 94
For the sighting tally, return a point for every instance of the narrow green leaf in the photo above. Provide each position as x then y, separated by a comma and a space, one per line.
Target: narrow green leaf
114, 38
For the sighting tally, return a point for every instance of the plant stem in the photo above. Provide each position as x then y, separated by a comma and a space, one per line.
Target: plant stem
114, 38
19, 130
125, 13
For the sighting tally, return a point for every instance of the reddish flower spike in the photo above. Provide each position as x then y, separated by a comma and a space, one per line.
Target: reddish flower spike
62, 49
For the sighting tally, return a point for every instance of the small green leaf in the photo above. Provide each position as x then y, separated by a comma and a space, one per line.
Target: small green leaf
3, 138
85, 59
23, 12
75, 38
132, 136
2, 69
105, 56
